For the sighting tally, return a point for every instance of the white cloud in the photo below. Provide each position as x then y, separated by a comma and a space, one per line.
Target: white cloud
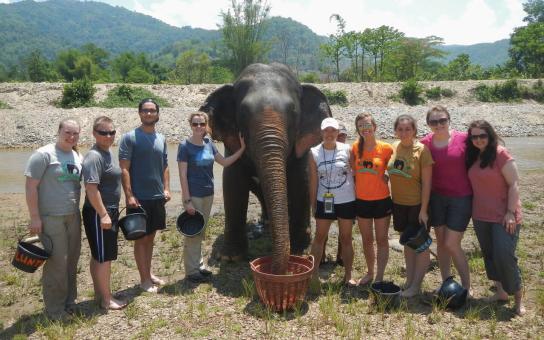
476, 21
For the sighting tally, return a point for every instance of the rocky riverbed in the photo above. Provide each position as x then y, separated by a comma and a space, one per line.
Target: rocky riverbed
33, 118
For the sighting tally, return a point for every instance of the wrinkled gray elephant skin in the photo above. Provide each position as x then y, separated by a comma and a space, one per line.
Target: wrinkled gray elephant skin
280, 120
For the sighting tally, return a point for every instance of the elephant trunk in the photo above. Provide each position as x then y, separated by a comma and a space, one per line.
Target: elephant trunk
271, 148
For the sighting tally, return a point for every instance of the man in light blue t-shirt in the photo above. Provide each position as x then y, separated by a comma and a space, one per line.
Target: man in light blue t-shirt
145, 176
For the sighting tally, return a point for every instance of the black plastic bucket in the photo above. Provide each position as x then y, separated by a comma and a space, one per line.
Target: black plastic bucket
29, 257
190, 225
386, 293
416, 237
133, 225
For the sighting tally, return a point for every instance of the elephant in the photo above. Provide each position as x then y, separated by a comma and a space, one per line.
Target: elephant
280, 121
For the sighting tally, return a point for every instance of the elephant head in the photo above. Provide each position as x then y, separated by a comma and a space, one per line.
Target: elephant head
280, 120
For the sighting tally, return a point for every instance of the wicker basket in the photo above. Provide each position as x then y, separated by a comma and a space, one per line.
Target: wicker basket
281, 292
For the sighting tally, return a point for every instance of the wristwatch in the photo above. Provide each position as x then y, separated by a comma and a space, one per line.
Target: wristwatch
186, 201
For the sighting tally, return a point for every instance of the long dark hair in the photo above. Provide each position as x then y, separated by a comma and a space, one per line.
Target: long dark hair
361, 138
488, 156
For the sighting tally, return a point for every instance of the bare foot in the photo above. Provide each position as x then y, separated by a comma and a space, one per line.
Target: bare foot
410, 292
148, 287
156, 280
520, 310
497, 297
366, 279
114, 304
351, 283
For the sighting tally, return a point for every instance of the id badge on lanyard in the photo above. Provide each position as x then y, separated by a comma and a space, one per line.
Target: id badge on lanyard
328, 202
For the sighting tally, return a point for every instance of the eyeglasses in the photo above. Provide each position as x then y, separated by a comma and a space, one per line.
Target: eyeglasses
106, 133
480, 136
198, 124
152, 111
441, 121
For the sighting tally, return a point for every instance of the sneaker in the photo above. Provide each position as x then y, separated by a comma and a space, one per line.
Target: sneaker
198, 278
205, 272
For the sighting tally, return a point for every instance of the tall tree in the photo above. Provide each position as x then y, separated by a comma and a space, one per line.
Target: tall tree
334, 49
527, 43
38, 67
410, 60
242, 29
386, 39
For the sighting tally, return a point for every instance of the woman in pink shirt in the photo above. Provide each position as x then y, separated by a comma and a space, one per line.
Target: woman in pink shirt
496, 209
451, 194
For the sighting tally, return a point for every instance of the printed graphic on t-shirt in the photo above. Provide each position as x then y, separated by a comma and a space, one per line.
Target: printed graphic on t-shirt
367, 166
333, 173
401, 167
70, 172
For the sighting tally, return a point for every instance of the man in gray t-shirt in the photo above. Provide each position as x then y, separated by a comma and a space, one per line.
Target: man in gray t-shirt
146, 182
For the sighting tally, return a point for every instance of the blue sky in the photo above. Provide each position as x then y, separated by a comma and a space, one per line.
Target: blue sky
457, 21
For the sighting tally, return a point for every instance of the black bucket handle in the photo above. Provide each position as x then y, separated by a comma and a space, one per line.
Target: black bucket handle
114, 226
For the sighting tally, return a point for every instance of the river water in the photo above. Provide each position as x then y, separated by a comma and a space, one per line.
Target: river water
528, 152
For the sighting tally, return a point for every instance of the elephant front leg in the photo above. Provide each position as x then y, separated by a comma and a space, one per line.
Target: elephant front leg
236, 196
299, 204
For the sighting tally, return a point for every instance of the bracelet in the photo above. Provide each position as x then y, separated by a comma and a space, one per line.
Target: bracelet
186, 201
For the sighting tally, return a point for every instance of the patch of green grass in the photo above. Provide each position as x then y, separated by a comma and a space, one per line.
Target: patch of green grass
129, 96
508, 91
540, 299
248, 286
411, 92
4, 105
528, 205
336, 97
149, 329
132, 311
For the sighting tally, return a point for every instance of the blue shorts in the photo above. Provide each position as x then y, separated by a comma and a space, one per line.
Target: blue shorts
454, 212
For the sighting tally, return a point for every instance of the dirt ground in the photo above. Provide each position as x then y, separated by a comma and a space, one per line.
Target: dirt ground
228, 307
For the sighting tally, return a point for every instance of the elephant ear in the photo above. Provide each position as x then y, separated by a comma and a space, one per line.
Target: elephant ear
221, 111
314, 108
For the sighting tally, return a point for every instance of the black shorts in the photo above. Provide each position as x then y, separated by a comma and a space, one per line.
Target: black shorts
156, 214
405, 215
103, 242
342, 210
374, 209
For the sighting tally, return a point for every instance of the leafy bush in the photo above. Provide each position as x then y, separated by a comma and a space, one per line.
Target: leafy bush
4, 105
506, 92
129, 96
78, 93
433, 92
411, 93
311, 77
536, 92
336, 97
437, 92
448, 93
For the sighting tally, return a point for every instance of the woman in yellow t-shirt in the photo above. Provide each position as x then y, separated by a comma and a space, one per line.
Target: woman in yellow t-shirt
410, 170
373, 204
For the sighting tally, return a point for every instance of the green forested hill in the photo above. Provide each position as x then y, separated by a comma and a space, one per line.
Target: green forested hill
56, 25
485, 54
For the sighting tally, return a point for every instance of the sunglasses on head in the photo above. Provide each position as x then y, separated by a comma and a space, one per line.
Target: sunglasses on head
106, 133
435, 122
480, 136
198, 124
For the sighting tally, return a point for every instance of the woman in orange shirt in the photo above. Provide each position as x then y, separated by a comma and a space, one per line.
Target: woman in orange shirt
373, 204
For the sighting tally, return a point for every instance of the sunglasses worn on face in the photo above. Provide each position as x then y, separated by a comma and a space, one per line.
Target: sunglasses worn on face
152, 111
441, 121
198, 124
480, 136
106, 133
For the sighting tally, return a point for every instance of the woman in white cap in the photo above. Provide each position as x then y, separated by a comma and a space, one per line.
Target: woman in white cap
332, 194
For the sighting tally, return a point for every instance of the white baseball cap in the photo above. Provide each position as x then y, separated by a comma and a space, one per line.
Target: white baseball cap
329, 122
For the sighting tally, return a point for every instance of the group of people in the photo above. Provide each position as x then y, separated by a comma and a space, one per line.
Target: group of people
53, 174
442, 180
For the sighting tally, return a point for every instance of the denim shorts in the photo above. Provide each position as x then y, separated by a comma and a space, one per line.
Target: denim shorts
454, 212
